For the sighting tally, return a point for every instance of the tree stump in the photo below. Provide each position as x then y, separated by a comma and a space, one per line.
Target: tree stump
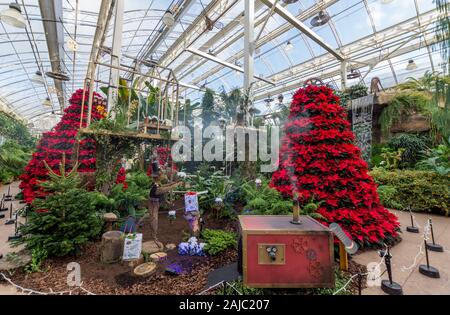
132, 263
157, 257
112, 247
170, 246
145, 269
151, 247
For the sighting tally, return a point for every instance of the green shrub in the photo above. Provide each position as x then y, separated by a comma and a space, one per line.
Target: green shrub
423, 191
217, 240
13, 158
265, 200
64, 220
62, 224
414, 147
388, 196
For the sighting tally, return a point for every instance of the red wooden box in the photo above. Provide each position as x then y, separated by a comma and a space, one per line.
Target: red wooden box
303, 255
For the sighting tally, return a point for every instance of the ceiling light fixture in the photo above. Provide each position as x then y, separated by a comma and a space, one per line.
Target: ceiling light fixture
322, 18
289, 46
386, 1
354, 73
37, 78
168, 18
72, 44
47, 102
411, 65
289, 1
280, 98
13, 16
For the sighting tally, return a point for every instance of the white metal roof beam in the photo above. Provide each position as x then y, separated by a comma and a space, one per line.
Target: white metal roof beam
334, 70
214, 10
358, 49
223, 63
262, 41
285, 14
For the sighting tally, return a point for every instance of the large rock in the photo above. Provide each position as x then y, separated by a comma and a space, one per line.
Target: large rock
413, 123
16, 260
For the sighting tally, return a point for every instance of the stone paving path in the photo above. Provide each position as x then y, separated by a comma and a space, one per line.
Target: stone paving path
5, 232
403, 255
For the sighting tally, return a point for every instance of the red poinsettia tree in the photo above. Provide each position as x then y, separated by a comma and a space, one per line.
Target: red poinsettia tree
62, 140
318, 161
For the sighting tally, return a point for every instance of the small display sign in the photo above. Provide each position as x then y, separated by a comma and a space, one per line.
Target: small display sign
132, 246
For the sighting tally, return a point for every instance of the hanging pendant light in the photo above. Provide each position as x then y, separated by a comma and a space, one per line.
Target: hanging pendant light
268, 100
322, 18
280, 99
37, 78
168, 18
47, 102
289, 1
353, 74
289, 46
386, 1
13, 16
72, 44
411, 65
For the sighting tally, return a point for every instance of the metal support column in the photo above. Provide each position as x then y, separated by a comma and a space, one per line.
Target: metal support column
114, 73
249, 50
344, 74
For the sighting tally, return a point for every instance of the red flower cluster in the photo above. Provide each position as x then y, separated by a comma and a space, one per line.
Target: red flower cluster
319, 160
121, 178
61, 139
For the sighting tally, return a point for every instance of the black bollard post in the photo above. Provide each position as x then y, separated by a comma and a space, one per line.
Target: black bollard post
433, 246
389, 286
8, 197
11, 219
2, 206
359, 283
412, 228
428, 270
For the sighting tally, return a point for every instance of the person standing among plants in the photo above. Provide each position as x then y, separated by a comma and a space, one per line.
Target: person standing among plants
156, 195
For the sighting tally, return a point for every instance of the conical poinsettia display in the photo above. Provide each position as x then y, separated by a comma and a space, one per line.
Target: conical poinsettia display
318, 161
62, 139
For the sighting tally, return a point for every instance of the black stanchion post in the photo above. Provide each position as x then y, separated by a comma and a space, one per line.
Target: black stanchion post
412, 228
8, 197
433, 246
389, 286
3, 206
360, 283
428, 270
11, 219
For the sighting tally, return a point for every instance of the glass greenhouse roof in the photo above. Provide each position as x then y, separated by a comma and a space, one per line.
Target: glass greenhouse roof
378, 37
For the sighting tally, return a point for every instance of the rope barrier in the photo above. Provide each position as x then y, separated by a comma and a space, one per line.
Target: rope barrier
31, 291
